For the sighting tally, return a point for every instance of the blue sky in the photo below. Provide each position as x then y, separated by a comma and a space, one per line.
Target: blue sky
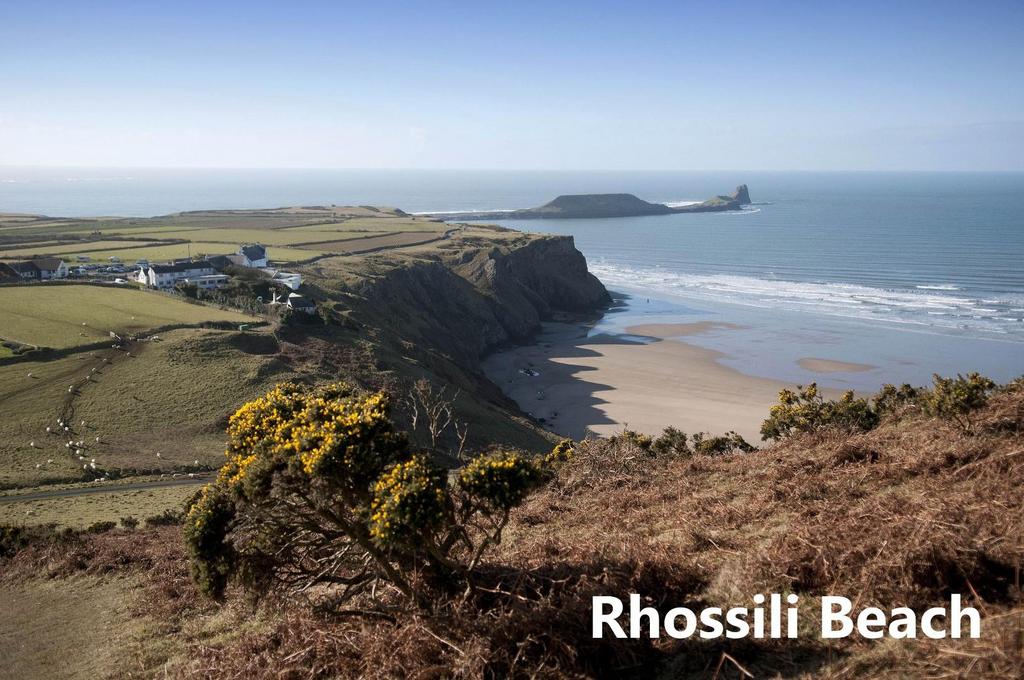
571, 85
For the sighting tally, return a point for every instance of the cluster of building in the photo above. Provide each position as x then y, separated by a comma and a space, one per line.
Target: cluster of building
36, 269
205, 274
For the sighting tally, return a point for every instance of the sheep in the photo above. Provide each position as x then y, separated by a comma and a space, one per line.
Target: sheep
49, 461
66, 428
97, 440
38, 465
47, 429
83, 423
32, 445
158, 454
30, 375
78, 452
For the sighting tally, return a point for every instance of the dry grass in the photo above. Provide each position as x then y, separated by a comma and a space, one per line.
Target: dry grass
903, 515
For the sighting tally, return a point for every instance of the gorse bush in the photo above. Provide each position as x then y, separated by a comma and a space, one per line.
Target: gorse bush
321, 495
562, 452
949, 399
891, 399
953, 399
805, 410
715, 445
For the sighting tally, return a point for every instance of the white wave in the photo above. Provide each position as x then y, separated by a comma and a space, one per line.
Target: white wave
940, 307
938, 286
680, 204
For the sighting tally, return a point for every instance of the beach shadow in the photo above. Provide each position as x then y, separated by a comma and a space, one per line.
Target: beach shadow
548, 379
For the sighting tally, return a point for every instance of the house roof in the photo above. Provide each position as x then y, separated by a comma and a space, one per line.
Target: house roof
253, 251
47, 263
202, 265
7, 273
23, 266
296, 300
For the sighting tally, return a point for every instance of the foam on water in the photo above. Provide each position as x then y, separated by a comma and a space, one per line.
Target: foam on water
930, 306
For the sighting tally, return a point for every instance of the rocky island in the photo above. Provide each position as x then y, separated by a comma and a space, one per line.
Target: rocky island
590, 206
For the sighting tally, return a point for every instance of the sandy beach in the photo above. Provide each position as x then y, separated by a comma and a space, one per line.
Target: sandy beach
647, 379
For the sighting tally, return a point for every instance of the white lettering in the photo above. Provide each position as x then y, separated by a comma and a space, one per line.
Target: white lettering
830, 615
600, 618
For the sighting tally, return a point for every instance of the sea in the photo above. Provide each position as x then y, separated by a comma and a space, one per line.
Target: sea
906, 273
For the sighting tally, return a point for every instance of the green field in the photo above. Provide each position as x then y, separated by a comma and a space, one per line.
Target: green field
73, 248
82, 510
170, 252
269, 237
361, 225
66, 316
169, 397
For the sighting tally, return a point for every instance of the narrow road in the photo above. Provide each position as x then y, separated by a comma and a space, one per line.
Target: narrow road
103, 488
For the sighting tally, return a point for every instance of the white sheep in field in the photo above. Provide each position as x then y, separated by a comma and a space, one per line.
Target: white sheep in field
83, 423
97, 439
47, 429
78, 452
32, 445
158, 454
195, 462
38, 465
30, 375
50, 461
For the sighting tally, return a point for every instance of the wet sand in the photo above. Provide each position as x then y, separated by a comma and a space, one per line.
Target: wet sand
833, 366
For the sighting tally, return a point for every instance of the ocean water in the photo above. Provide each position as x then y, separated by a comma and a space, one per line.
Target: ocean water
911, 273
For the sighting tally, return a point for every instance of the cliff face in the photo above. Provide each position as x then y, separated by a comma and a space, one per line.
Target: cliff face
474, 298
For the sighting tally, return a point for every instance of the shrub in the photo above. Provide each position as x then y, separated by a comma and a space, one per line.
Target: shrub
643, 441
562, 452
101, 527
166, 518
498, 482
672, 442
321, 495
891, 399
804, 410
129, 522
716, 445
953, 399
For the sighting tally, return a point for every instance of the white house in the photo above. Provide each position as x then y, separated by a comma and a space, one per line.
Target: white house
164, 276
290, 279
253, 255
40, 268
210, 281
